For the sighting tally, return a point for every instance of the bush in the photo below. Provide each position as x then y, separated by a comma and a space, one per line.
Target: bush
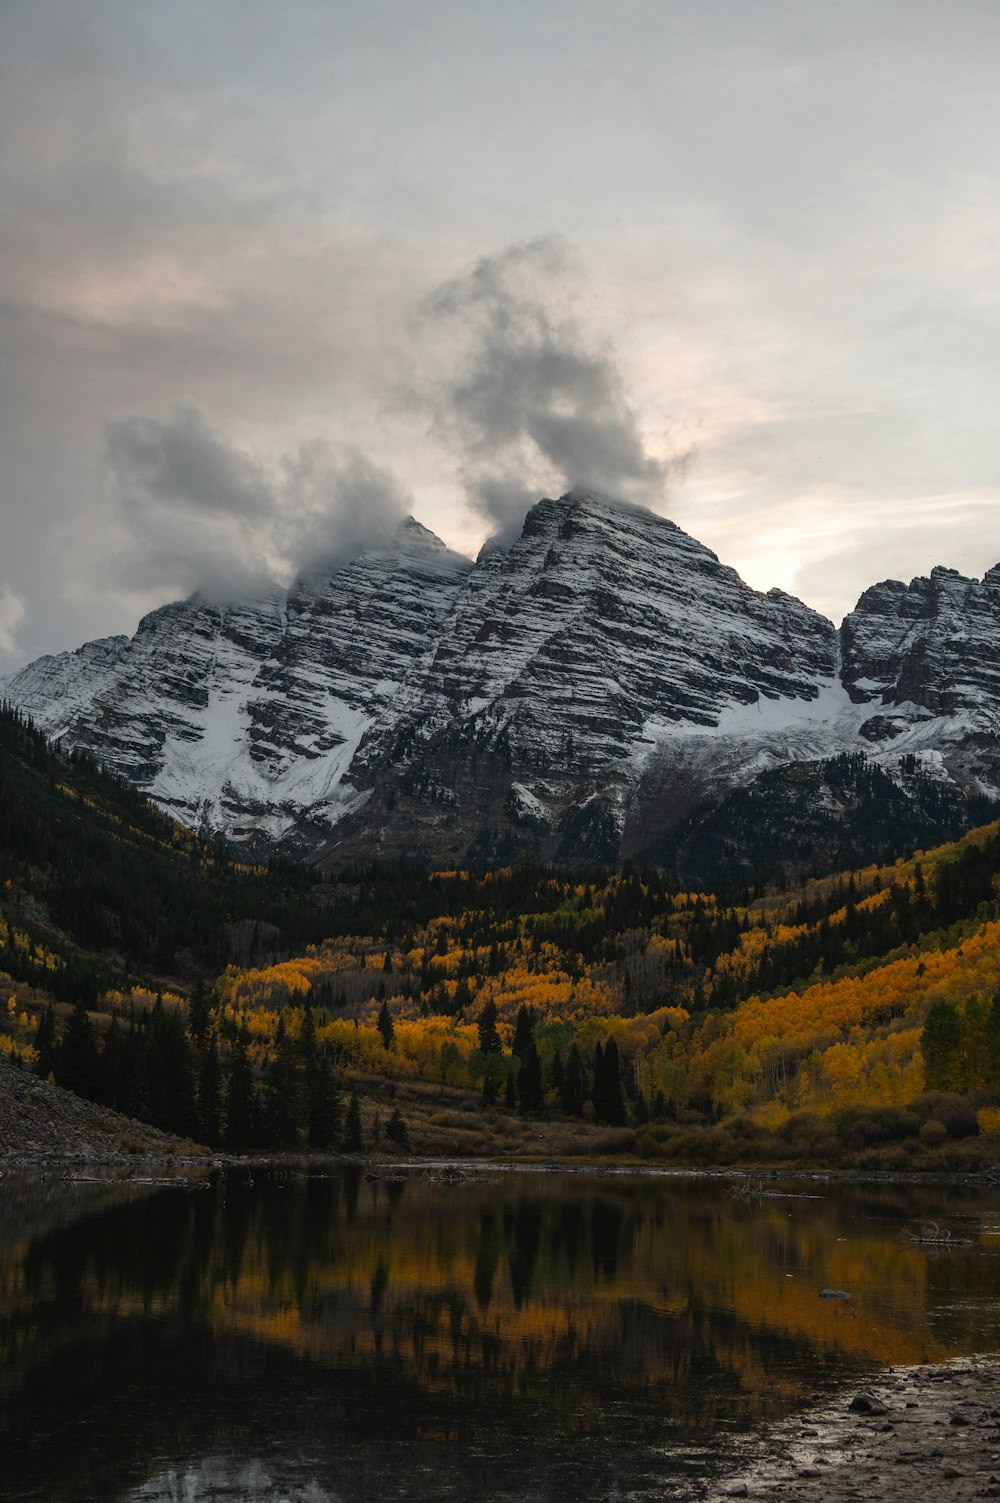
961, 1122
933, 1133
864, 1127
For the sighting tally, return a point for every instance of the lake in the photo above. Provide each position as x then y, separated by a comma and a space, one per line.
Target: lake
521, 1335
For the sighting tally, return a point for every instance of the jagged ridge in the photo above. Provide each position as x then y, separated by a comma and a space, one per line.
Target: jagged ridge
576, 695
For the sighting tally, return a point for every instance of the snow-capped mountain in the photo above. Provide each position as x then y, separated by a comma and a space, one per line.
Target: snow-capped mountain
577, 694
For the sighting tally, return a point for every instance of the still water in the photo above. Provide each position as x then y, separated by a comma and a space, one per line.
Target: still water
524, 1336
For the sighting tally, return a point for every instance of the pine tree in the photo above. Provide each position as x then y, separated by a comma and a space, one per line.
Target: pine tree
609, 1103
199, 1015
115, 1069
523, 1028
45, 1044
241, 1105
210, 1093
171, 1074
396, 1130
322, 1100
78, 1066
284, 1109
489, 1038
385, 1026
138, 1098
940, 1042
529, 1080
574, 1088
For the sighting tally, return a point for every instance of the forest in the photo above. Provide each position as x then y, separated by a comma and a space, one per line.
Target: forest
849, 1018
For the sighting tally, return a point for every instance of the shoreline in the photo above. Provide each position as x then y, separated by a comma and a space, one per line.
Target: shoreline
925, 1432
197, 1162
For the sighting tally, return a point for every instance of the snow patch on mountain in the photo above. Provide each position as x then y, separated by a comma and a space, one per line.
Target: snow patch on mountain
590, 683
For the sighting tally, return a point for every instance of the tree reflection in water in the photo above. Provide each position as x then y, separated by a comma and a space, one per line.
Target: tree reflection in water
530, 1336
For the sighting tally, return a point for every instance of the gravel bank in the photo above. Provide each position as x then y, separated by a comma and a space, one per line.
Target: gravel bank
38, 1120
916, 1435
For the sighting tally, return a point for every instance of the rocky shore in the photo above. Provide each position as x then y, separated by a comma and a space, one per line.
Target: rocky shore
919, 1434
40, 1121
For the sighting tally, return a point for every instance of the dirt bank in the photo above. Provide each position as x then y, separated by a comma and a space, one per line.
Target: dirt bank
915, 1435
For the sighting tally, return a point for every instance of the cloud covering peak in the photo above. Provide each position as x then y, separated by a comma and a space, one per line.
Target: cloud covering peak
525, 398
180, 508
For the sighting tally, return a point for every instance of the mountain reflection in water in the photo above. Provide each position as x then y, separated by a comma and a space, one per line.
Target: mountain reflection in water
528, 1336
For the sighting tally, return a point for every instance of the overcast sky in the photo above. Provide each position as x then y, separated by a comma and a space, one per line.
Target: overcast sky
273, 273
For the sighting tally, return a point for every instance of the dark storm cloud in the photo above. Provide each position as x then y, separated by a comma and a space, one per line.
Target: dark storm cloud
530, 401
181, 508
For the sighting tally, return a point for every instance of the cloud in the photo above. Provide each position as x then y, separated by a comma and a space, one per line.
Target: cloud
525, 399
12, 614
179, 508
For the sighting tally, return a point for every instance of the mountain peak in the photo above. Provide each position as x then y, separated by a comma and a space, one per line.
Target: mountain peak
600, 675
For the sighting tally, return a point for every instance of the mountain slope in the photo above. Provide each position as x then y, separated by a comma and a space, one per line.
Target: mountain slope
97, 886
576, 697
237, 719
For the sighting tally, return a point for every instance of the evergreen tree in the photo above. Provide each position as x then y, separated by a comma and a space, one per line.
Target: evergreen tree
138, 1098
283, 1111
396, 1130
115, 1064
489, 1038
510, 1093
199, 1015
523, 1028
322, 1097
324, 1103
609, 1103
171, 1074
241, 1104
574, 1087
78, 1065
210, 1093
529, 1080
940, 1043
353, 1141
45, 1044
385, 1026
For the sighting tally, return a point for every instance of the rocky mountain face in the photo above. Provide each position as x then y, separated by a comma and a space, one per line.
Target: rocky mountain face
580, 695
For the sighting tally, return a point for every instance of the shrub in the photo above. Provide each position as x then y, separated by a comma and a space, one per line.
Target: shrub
960, 1122
933, 1133
863, 1127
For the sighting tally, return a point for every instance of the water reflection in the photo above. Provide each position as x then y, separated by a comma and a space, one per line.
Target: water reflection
531, 1336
